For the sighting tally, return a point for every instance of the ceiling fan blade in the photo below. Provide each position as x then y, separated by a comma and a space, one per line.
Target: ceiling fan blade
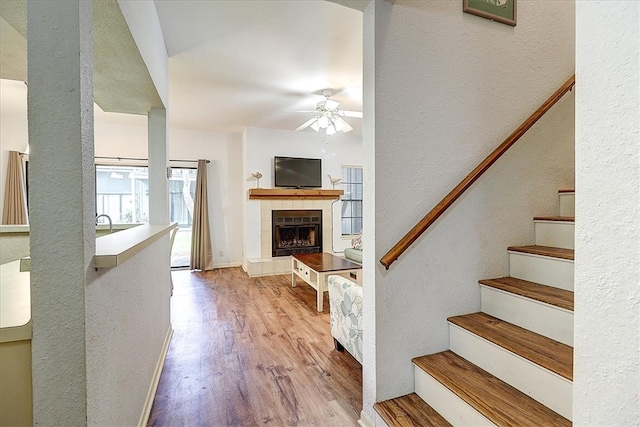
301, 111
307, 123
341, 125
347, 127
330, 104
347, 113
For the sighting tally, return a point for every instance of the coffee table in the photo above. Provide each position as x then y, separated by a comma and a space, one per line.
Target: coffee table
314, 269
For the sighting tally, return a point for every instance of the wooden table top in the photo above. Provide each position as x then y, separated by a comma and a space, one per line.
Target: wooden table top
322, 262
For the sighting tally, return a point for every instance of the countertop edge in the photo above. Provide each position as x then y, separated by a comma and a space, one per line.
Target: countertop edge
114, 249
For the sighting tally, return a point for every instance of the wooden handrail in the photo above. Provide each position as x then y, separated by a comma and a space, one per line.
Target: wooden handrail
404, 243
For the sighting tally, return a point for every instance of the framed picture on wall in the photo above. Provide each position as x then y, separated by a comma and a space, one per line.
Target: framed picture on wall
497, 10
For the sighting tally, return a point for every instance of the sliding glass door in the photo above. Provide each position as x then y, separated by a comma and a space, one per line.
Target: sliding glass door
122, 192
182, 187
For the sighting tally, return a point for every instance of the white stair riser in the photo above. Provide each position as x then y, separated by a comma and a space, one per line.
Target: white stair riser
546, 387
567, 204
540, 269
445, 402
544, 319
559, 234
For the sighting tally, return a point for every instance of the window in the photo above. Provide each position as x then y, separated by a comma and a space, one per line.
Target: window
122, 192
351, 200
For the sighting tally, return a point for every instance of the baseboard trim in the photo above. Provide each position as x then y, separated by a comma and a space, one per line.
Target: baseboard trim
365, 421
155, 380
228, 265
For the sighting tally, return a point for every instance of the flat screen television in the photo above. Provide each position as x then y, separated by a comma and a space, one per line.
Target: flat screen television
295, 172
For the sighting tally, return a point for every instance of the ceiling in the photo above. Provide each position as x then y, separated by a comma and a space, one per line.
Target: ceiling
121, 81
236, 63
232, 63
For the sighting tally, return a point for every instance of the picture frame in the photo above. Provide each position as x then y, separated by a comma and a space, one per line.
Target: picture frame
503, 11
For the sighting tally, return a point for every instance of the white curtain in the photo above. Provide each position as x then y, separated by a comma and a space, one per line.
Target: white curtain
201, 251
14, 210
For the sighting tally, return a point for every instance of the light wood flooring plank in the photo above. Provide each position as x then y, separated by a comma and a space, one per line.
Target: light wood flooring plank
543, 293
545, 251
253, 351
409, 411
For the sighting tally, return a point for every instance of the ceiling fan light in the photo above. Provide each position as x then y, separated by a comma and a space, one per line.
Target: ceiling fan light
331, 130
323, 121
339, 124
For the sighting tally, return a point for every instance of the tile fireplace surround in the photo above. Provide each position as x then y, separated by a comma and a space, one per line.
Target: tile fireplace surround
267, 265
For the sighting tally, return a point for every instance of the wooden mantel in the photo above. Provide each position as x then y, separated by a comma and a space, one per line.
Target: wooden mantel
283, 193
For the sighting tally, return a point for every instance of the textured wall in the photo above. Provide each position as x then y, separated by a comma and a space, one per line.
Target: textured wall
449, 87
259, 148
61, 204
607, 316
158, 149
126, 325
369, 260
144, 24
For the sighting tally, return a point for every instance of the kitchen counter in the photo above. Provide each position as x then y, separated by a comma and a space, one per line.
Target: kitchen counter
15, 346
15, 303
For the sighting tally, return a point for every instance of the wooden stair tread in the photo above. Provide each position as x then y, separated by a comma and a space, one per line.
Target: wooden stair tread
549, 251
543, 293
499, 402
409, 411
567, 190
543, 351
555, 218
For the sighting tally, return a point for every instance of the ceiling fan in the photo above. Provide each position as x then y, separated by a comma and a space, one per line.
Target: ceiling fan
329, 117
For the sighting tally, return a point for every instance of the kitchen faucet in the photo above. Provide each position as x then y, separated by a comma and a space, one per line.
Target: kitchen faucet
108, 218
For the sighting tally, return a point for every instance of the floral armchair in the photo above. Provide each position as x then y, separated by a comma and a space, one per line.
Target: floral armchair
345, 306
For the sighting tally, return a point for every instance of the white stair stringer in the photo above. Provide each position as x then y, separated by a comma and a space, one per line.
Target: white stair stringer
567, 203
548, 388
559, 234
556, 272
539, 317
445, 402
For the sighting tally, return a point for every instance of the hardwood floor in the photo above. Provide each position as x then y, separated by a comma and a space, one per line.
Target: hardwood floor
253, 352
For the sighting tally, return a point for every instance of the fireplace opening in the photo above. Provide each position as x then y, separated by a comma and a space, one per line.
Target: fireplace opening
296, 232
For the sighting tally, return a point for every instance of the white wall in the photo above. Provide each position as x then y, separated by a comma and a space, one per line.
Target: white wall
127, 325
61, 205
260, 147
449, 87
607, 317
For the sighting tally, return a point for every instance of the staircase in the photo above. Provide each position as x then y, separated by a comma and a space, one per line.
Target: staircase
512, 363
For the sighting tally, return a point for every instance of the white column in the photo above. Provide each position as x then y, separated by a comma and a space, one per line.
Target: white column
61, 203
607, 238
371, 266
158, 163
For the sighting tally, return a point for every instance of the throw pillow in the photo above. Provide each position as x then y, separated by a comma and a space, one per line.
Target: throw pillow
357, 242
